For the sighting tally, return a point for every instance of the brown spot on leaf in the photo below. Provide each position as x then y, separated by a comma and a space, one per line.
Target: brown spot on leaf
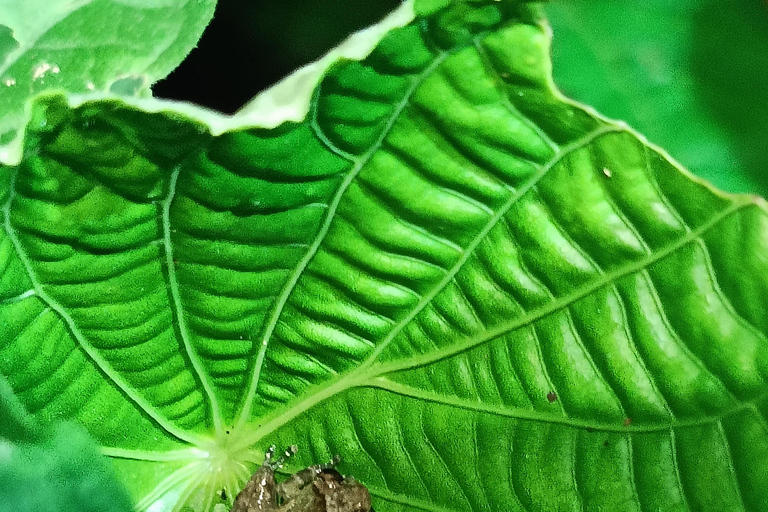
552, 396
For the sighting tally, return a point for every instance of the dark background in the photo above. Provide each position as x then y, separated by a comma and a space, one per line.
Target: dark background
251, 44
709, 110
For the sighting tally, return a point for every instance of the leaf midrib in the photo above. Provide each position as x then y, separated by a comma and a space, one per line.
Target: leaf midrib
177, 305
369, 371
545, 417
561, 303
246, 407
492, 222
78, 336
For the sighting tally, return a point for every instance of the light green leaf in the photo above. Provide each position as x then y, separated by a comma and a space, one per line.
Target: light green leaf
89, 45
58, 470
482, 296
690, 75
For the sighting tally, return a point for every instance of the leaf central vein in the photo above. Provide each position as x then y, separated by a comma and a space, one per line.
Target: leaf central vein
100, 362
178, 309
492, 222
247, 404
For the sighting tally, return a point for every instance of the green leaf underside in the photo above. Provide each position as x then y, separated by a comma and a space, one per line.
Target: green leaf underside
90, 45
480, 295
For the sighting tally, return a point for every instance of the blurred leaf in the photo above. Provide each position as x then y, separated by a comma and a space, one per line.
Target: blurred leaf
51, 470
692, 75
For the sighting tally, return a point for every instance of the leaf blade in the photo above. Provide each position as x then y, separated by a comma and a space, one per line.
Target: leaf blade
507, 283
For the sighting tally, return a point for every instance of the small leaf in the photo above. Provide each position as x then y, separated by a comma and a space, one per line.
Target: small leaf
55, 471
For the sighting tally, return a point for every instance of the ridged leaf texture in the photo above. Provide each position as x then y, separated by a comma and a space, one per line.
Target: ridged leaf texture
481, 296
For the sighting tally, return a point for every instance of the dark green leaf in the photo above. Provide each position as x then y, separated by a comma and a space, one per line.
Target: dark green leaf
51, 470
690, 75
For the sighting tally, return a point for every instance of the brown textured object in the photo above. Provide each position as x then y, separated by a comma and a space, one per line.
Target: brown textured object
259, 492
314, 489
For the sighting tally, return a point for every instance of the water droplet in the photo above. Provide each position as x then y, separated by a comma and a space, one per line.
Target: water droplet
8, 82
41, 70
90, 86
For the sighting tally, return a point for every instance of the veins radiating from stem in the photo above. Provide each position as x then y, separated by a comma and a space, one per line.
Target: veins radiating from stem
178, 309
80, 339
246, 407
492, 222
153, 456
559, 304
372, 374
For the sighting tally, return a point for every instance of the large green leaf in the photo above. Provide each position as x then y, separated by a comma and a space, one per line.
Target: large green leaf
479, 294
57, 471
121, 46
689, 74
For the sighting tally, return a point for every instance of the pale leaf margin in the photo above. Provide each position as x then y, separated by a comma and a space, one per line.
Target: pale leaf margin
287, 100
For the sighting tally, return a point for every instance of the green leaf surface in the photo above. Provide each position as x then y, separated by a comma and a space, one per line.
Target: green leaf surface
89, 45
56, 470
690, 75
482, 296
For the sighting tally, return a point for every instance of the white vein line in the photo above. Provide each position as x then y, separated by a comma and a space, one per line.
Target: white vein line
154, 456
173, 285
182, 474
245, 411
518, 413
89, 349
499, 84
18, 298
733, 473
606, 279
678, 470
318, 131
191, 486
727, 302
631, 465
492, 222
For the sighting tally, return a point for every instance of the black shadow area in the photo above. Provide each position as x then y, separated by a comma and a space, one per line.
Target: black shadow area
251, 44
